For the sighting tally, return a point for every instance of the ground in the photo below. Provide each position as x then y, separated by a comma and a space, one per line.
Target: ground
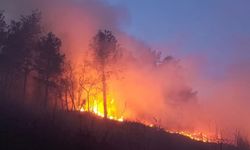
33, 128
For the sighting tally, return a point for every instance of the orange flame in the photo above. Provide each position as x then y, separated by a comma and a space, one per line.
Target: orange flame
96, 107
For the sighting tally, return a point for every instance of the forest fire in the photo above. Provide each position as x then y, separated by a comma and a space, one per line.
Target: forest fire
101, 114
97, 108
87, 65
198, 136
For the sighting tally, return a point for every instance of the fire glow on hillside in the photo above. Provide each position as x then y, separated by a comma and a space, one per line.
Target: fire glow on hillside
96, 107
198, 136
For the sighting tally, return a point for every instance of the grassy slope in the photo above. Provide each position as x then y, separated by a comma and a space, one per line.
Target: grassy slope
23, 128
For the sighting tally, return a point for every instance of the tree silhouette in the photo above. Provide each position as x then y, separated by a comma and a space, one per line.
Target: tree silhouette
19, 47
49, 62
12, 52
3, 26
106, 53
69, 84
3, 33
31, 30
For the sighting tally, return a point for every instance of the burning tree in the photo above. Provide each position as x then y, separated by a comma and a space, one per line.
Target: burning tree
106, 53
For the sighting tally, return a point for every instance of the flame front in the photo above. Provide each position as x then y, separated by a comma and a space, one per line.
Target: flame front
201, 136
94, 104
198, 136
96, 107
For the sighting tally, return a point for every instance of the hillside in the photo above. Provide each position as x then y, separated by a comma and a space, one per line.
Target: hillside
22, 128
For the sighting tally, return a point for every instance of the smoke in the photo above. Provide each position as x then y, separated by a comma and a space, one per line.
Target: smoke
170, 93
226, 99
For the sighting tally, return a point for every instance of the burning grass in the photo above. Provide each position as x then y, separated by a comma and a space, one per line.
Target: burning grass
197, 136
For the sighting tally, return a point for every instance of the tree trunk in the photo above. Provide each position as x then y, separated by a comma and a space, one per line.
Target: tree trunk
56, 103
79, 95
61, 100
66, 99
88, 100
46, 93
73, 101
74, 106
104, 90
9, 86
54, 111
25, 84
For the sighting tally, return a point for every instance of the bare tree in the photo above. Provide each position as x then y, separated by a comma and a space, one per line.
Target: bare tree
88, 82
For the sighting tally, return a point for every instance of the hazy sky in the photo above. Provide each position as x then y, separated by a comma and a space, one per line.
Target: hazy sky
218, 30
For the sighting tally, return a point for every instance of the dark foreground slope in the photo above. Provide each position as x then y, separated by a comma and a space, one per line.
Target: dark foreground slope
34, 129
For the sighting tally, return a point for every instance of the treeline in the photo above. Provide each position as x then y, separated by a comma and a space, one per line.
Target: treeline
33, 67
28, 53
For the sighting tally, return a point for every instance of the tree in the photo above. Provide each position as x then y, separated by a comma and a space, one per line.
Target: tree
106, 53
49, 62
88, 82
3, 33
11, 56
3, 26
31, 30
20, 44
69, 84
